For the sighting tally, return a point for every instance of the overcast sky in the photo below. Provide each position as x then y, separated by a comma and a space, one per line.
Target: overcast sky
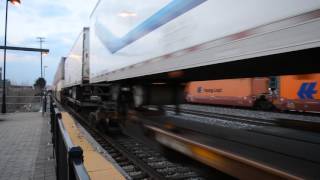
59, 21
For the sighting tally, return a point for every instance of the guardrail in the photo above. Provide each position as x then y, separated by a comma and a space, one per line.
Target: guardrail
69, 158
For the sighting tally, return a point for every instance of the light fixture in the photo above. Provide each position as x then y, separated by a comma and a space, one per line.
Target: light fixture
45, 53
127, 14
15, 2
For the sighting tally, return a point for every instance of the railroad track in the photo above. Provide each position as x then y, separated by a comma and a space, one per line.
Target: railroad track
137, 160
228, 117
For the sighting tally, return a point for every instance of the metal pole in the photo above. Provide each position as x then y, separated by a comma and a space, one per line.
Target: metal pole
4, 107
41, 57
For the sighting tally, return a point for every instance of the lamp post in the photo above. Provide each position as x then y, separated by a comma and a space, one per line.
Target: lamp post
4, 107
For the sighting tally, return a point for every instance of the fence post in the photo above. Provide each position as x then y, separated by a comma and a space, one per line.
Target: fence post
58, 142
75, 157
45, 103
52, 116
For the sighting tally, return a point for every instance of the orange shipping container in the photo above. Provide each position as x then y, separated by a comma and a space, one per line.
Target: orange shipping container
300, 86
299, 92
238, 92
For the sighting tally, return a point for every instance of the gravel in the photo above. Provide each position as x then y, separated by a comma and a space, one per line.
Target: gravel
212, 121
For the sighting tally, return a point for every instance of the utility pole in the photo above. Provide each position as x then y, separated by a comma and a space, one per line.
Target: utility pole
41, 40
44, 71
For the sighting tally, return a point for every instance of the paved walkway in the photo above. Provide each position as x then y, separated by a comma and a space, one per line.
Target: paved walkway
25, 151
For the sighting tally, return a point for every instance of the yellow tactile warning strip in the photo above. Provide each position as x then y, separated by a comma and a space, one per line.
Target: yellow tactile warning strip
96, 165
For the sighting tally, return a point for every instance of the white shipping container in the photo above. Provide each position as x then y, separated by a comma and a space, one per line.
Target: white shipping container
124, 33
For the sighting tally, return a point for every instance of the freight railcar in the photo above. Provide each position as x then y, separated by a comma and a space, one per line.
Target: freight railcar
291, 92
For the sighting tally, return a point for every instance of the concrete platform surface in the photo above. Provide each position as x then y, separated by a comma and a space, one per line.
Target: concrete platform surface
25, 149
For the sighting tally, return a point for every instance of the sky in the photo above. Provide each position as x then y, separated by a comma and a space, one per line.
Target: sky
59, 21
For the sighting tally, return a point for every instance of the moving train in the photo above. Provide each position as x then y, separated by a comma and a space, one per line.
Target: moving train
290, 92
132, 56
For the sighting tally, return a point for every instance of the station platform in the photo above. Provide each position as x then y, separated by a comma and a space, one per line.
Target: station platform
26, 151
97, 165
